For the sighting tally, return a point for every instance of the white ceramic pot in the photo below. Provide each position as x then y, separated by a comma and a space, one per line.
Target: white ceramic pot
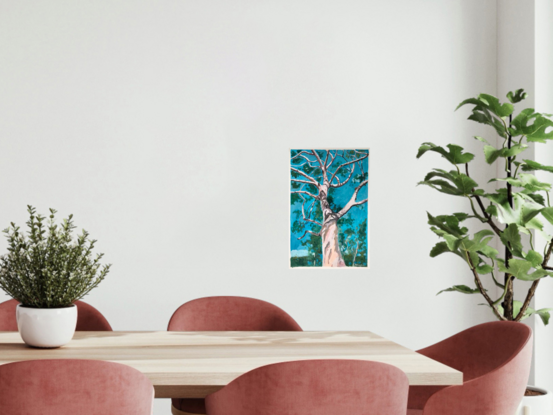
536, 405
46, 327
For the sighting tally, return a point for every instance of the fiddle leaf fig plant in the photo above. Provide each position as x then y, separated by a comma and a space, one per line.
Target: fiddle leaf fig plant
48, 268
512, 214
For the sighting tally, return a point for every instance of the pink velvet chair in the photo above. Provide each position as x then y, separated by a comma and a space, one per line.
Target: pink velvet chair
314, 387
88, 318
225, 314
72, 387
495, 360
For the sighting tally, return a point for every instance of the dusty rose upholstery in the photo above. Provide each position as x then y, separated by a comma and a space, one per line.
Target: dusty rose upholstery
89, 319
71, 387
314, 387
226, 314
495, 360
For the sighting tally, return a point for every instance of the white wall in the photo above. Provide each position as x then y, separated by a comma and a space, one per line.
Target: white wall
525, 60
544, 154
164, 127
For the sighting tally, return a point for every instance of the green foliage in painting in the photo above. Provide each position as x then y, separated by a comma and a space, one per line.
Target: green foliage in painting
328, 197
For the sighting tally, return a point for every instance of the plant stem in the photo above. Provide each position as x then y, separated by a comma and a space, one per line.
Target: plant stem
482, 290
534, 286
487, 216
509, 293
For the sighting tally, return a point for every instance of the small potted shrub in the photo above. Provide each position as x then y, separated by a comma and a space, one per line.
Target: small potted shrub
513, 214
47, 270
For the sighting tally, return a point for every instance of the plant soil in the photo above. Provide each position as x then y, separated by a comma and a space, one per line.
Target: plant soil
531, 392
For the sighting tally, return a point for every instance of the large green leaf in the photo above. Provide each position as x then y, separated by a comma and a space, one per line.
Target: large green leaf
441, 248
455, 183
438, 249
448, 224
461, 289
455, 154
520, 268
547, 213
535, 258
511, 238
488, 110
489, 103
464, 183
527, 181
484, 269
531, 165
543, 312
519, 124
544, 315
536, 197
493, 104
522, 213
535, 126
491, 153
516, 96
483, 116
489, 252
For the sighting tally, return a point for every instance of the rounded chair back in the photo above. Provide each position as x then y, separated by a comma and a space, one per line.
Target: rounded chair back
69, 387
231, 314
495, 359
315, 387
226, 314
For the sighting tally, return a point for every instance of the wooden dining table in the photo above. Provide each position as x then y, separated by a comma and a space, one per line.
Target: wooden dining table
195, 364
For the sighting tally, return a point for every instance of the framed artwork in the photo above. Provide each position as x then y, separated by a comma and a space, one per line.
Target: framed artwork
329, 208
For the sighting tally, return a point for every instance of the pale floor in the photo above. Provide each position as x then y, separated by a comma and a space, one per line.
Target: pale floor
162, 407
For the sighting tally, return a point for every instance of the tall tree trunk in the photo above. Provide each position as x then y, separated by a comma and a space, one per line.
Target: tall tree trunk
332, 256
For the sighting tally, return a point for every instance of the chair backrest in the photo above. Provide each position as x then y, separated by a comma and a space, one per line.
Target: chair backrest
88, 318
315, 387
231, 314
69, 387
482, 348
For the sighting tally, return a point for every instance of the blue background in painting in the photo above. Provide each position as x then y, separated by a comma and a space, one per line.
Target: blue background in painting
341, 196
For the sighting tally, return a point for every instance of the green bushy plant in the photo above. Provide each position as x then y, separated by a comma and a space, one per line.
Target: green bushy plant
48, 268
513, 213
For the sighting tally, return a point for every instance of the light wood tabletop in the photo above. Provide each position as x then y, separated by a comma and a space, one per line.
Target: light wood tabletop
195, 364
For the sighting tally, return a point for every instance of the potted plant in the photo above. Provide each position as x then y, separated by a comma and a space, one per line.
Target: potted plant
47, 271
513, 214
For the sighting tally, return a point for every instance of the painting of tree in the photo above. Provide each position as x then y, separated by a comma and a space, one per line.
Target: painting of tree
329, 208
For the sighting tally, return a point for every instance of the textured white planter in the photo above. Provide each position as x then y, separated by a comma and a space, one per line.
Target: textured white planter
536, 405
46, 327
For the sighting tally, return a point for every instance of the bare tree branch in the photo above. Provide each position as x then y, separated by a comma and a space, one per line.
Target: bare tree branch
305, 193
311, 179
307, 218
345, 181
346, 164
306, 162
323, 165
331, 161
353, 202
299, 154
302, 181
308, 231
